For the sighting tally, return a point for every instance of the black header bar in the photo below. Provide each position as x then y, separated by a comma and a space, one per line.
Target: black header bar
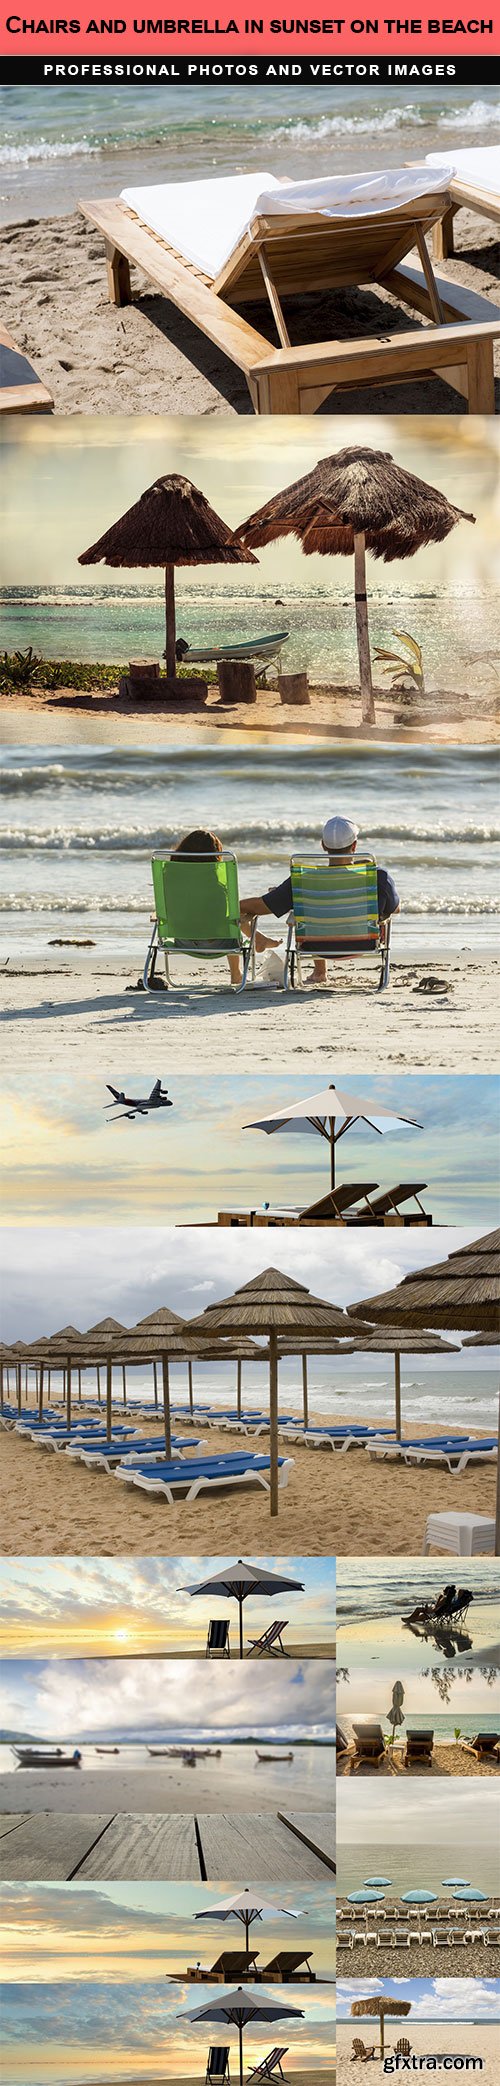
272, 71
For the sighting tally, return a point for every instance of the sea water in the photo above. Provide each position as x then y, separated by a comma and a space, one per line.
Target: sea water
78, 142
79, 830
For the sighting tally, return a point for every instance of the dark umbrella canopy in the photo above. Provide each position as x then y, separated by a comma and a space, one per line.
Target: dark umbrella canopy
172, 524
357, 501
238, 1581
240, 2007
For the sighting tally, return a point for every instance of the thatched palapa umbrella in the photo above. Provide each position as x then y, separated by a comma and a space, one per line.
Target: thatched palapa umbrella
172, 524
382, 2008
357, 501
272, 1305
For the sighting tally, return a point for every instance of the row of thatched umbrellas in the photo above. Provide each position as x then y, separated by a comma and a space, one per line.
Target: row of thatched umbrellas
459, 1294
357, 501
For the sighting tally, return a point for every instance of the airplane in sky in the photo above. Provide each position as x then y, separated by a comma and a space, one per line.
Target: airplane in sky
131, 1105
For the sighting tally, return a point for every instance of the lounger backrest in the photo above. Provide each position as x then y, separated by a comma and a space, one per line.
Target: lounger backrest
310, 249
335, 909
217, 1635
197, 902
218, 2064
391, 1198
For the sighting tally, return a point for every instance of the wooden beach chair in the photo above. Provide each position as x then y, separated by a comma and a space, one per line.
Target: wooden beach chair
21, 390
485, 1745
419, 1749
369, 1746
270, 1643
218, 1640
287, 1968
403, 2047
211, 246
360, 2051
335, 915
474, 185
197, 913
234, 1963
217, 2072
270, 2067
388, 1207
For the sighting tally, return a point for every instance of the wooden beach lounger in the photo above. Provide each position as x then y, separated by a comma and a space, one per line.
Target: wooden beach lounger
386, 1208
211, 245
474, 185
21, 391
419, 1749
287, 1968
484, 1746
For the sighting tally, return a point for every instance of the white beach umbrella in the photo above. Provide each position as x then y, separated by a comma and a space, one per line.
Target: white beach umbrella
330, 1113
237, 1581
247, 1907
241, 2007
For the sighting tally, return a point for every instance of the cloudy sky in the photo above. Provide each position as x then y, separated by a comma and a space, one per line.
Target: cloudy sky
72, 1281
456, 1821
77, 1699
432, 1998
115, 1932
83, 476
63, 1157
62, 1605
62, 2032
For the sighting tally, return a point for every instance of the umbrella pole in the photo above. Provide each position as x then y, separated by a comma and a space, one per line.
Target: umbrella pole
68, 1394
98, 1384
273, 1420
190, 1386
497, 1511
109, 1397
238, 1389
170, 622
19, 1388
166, 1405
332, 1153
397, 1394
40, 1393
362, 631
240, 2032
305, 1401
155, 1382
240, 1605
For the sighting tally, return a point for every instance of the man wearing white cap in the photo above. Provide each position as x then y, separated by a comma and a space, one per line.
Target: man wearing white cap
339, 840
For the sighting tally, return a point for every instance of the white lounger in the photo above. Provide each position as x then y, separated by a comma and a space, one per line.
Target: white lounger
474, 185
212, 245
169, 1487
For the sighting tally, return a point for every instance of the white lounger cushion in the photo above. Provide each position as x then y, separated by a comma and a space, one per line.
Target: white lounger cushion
480, 167
204, 220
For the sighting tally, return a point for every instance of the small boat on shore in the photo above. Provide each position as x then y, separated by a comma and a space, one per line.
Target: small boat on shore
33, 1756
274, 1756
107, 1749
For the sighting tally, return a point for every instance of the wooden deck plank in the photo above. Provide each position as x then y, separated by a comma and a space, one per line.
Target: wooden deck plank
11, 1820
236, 1847
160, 1849
48, 1847
316, 1830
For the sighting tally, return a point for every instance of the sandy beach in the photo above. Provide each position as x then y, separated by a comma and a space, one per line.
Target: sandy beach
465, 718
427, 2038
93, 1004
346, 1504
450, 1760
166, 1786
147, 356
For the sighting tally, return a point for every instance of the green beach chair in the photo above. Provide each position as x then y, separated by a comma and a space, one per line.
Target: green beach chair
197, 912
335, 914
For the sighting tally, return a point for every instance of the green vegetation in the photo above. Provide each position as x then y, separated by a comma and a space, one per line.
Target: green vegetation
402, 668
25, 670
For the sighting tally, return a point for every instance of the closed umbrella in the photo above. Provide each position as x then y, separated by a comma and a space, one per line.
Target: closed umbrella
329, 1113
241, 2007
238, 1581
395, 1715
357, 501
172, 524
247, 1907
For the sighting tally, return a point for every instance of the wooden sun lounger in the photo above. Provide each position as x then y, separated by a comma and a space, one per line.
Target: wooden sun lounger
283, 257
386, 1208
464, 195
21, 391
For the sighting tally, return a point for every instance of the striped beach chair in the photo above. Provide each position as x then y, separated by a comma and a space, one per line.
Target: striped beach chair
335, 914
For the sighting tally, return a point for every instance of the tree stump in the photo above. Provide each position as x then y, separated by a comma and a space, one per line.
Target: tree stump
293, 688
144, 669
236, 678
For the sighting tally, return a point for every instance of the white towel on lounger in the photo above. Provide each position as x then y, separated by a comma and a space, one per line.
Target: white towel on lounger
203, 220
480, 166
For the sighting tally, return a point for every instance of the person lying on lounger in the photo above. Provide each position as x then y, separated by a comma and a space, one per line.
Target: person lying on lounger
339, 840
200, 842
